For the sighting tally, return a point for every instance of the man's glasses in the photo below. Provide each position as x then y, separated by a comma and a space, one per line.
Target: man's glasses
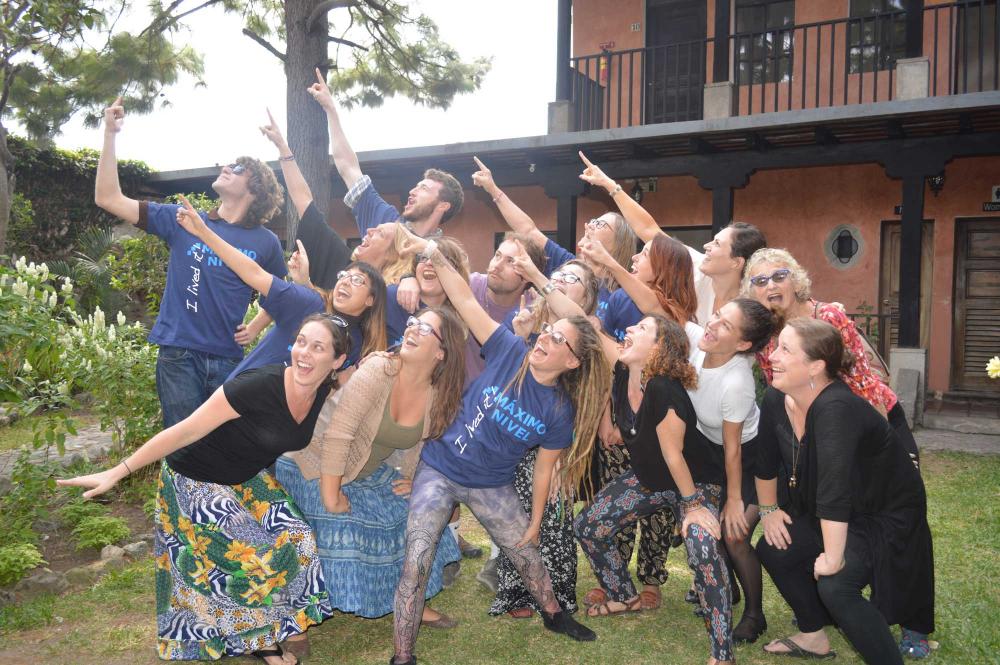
236, 169
566, 277
423, 328
778, 276
357, 279
558, 338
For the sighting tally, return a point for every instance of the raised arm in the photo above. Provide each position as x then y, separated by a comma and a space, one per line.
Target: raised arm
344, 157
107, 190
210, 415
516, 219
245, 268
643, 296
637, 217
298, 188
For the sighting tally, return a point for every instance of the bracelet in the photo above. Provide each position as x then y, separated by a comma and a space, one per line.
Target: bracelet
689, 503
768, 509
548, 288
499, 196
616, 191
127, 467
408, 275
289, 158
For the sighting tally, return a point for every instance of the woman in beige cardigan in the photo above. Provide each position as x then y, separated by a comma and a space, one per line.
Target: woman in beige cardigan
355, 502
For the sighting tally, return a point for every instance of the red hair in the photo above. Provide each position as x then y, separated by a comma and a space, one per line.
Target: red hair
673, 278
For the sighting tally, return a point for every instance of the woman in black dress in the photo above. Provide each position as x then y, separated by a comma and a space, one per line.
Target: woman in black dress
855, 511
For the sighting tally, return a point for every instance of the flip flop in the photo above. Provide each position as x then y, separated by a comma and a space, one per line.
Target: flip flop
795, 651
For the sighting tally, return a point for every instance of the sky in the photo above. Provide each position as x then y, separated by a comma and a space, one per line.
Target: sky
205, 126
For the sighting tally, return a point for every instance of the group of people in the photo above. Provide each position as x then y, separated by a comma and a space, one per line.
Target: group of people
394, 384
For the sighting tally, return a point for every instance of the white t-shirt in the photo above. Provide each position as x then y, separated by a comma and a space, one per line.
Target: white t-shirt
702, 288
726, 393
694, 333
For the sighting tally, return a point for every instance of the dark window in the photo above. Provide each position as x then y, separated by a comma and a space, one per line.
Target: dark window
764, 40
876, 35
692, 236
977, 34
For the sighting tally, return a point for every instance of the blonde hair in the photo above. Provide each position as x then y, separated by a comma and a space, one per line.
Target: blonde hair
625, 247
541, 310
780, 257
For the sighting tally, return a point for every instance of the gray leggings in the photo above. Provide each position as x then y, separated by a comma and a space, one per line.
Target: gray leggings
432, 500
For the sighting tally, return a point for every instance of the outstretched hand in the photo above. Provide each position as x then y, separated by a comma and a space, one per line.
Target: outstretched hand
412, 243
483, 177
320, 91
114, 116
593, 251
273, 132
298, 264
524, 321
98, 483
190, 220
524, 266
594, 175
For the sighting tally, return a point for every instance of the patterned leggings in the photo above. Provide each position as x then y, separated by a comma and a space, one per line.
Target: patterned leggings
655, 529
625, 500
432, 500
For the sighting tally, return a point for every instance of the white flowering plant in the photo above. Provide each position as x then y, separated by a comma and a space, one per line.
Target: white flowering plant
993, 367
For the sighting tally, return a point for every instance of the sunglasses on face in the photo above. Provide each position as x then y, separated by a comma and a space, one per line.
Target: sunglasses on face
423, 328
778, 276
357, 279
597, 224
566, 277
237, 169
558, 338
336, 320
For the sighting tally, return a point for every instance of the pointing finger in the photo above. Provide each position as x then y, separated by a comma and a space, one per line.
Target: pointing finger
482, 167
118, 101
521, 306
187, 204
298, 243
319, 77
270, 117
584, 158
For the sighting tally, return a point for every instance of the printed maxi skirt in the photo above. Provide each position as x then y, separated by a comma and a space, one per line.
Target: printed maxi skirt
556, 544
236, 568
362, 550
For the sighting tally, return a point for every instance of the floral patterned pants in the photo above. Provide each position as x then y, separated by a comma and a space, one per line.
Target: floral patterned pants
621, 503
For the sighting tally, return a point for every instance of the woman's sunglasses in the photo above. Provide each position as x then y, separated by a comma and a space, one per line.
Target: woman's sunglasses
778, 276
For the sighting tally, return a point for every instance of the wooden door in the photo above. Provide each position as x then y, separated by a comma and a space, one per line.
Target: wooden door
889, 283
675, 60
976, 329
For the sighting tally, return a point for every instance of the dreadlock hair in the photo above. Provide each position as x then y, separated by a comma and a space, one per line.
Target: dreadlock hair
373, 318
341, 342
669, 357
588, 386
673, 277
263, 186
543, 313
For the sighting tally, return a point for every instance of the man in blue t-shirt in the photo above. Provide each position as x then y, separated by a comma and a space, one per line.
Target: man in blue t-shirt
204, 301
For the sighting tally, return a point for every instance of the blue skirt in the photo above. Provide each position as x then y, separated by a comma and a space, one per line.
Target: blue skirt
362, 551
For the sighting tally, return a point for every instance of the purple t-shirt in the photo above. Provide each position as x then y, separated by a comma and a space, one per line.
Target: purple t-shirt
474, 361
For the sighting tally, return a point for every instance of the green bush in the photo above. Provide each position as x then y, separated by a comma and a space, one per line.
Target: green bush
99, 531
140, 270
79, 509
16, 560
32, 488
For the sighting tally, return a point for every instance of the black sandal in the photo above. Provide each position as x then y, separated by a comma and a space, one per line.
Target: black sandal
267, 653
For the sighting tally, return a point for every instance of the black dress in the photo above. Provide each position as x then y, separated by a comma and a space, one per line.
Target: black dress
850, 467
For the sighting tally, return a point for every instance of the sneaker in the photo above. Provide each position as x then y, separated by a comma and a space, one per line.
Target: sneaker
450, 573
488, 575
914, 645
562, 622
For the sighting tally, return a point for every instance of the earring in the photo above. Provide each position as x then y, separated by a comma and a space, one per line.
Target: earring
811, 385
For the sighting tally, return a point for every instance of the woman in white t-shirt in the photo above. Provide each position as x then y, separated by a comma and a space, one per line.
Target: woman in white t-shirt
726, 406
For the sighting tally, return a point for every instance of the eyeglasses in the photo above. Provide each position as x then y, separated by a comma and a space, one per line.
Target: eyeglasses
423, 258
778, 276
597, 223
237, 169
336, 320
566, 277
558, 338
357, 279
423, 328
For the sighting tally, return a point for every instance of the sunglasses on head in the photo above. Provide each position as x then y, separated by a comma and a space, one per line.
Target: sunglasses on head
597, 223
236, 169
566, 277
778, 276
357, 279
423, 328
558, 338
336, 320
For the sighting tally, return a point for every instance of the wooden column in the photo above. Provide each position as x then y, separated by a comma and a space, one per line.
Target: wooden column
722, 208
564, 25
909, 260
566, 222
720, 60
914, 27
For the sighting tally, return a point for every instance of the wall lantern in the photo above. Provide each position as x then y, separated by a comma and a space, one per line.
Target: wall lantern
936, 183
637, 192
845, 246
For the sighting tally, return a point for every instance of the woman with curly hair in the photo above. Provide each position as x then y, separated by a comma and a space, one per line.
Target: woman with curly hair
354, 501
672, 467
548, 396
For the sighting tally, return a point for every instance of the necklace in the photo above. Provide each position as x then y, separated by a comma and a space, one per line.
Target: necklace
796, 449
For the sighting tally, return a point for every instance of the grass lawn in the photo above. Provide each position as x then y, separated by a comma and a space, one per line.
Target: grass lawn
113, 622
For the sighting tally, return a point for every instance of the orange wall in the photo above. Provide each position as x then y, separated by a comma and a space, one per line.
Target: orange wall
796, 209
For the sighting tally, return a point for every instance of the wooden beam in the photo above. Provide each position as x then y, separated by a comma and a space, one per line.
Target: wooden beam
824, 136
894, 129
566, 222
701, 146
722, 208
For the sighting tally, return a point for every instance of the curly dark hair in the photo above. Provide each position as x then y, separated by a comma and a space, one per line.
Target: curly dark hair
669, 357
267, 193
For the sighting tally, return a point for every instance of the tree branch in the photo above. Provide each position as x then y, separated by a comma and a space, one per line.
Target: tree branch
263, 42
165, 21
347, 42
323, 8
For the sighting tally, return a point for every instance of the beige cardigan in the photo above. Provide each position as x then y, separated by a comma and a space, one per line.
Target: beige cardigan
348, 422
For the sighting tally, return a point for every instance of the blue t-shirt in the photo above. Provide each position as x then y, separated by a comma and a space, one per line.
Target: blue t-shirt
288, 304
619, 314
395, 316
495, 429
372, 210
204, 301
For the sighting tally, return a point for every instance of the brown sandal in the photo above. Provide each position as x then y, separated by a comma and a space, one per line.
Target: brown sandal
521, 613
595, 596
650, 599
603, 610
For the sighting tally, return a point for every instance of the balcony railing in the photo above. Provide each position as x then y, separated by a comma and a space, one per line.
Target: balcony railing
827, 63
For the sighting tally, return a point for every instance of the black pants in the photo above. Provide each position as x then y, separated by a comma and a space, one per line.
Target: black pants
835, 599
